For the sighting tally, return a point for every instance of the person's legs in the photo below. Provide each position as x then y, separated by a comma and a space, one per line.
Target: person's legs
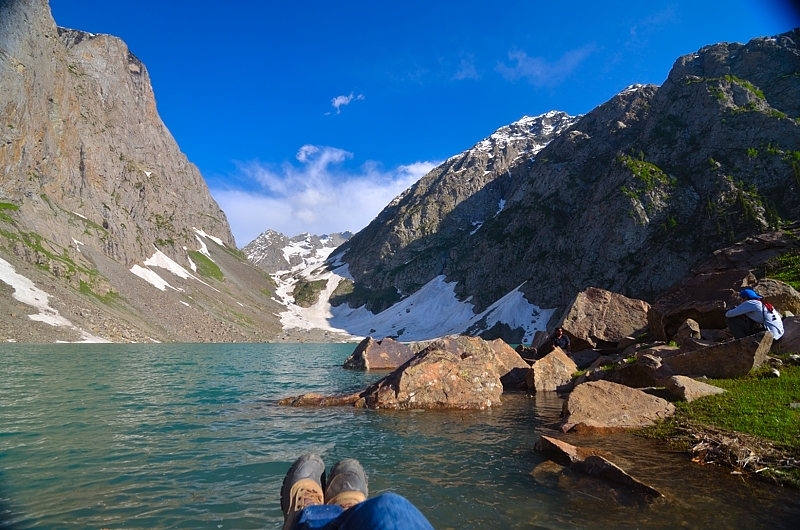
384, 512
740, 326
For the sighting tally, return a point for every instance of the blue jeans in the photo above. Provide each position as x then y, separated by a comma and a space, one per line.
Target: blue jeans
384, 512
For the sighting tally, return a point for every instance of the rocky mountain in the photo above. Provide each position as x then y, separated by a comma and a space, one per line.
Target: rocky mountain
275, 252
629, 198
408, 243
101, 214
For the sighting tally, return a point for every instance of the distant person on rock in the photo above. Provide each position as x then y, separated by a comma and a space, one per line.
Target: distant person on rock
344, 504
561, 341
752, 316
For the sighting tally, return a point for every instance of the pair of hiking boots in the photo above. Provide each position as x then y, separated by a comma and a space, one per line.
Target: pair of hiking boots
303, 485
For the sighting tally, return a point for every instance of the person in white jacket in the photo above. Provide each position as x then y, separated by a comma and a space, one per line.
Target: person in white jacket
744, 319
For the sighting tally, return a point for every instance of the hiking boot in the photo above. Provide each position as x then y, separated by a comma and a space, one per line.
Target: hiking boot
347, 484
302, 487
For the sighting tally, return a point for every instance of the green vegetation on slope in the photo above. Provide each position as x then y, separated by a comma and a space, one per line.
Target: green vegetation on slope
785, 268
205, 266
306, 293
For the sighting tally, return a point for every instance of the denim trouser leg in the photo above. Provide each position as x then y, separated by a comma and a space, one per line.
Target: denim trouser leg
384, 512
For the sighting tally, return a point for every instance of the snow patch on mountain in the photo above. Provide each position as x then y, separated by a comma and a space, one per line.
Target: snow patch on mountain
161, 260
433, 311
25, 291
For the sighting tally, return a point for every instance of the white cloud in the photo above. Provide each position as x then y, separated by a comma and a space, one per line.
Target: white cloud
340, 101
315, 196
541, 73
466, 70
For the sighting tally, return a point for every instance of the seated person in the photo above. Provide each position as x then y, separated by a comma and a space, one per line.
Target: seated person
752, 316
560, 340
344, 504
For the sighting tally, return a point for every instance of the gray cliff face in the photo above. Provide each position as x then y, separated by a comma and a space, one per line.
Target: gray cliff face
91, 184
628, 199
409, 242
84, 152
274, 252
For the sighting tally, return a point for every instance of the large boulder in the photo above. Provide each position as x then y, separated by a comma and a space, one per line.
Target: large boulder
703, 298
455, 373
723, 360
790, 341
601, 317
551, 373
783, 296
386, 354
688, 389
514, 368
603, 407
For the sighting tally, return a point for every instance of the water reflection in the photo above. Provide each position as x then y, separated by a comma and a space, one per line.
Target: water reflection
190, 436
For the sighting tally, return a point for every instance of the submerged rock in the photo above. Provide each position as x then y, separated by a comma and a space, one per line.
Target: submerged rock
318, 400
589, 461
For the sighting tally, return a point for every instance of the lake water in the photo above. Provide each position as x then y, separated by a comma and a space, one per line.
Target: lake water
190, 436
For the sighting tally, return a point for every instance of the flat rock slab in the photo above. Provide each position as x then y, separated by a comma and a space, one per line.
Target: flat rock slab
318, 400
724, 360
552, 372
688, 389
603, 407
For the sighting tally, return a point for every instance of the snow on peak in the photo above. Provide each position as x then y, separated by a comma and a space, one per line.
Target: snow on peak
544, 126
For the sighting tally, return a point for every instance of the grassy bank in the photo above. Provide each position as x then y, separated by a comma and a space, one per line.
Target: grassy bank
751, 427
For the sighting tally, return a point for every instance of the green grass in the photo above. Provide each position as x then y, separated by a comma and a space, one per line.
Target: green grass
756, 404
206, 267
110, 298
785, 268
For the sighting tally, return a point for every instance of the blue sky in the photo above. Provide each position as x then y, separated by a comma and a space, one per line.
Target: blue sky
312, 116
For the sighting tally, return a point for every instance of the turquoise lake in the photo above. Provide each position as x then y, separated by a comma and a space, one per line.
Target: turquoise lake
190, 436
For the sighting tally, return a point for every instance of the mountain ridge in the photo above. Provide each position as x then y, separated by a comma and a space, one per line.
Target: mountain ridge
628, 198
